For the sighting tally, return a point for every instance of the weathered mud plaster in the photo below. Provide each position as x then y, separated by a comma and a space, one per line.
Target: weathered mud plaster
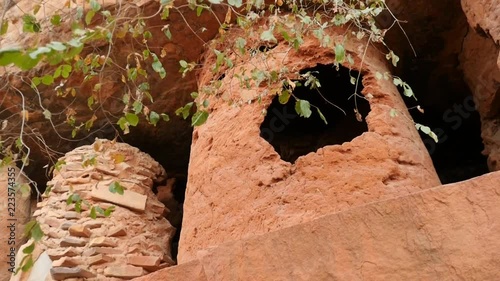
239, 187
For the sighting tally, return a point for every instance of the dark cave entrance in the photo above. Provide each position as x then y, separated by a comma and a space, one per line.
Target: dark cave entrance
429, 49
172, 192
457, 156
172, 196
293, 136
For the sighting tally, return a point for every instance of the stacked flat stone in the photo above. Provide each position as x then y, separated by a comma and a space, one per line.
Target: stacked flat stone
133, 241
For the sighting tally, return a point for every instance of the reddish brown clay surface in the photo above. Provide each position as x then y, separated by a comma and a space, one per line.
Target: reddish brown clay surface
238, 186
449, 232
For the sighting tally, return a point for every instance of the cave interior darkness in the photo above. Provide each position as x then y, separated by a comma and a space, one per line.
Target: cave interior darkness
293, 136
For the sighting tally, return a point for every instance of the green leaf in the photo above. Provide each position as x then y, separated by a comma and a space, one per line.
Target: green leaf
40, 51
199, 10
66, 70
93, 214
147, 35
167, 32
47, 80
199, 118
28, 250
165, 13
94, 5
10, 55
397, 81
165, 117
99, 210
90, 102
123, 123
4, 27
393, 112
116, 187
303, 108
132, 119
426, 130
137, 105
240, 44
339, 53
268, 36
59, 164
158, 66
36, 232
57, 46
184, 110
30, 24
55, 20
109, 210
27, 228
235, 3
78, 206
58, 71
47, 114
322, 116
36, 8
284, 96
393, 57
89, 16
69, 200
407, 91
154, 118
183, 63
28, 263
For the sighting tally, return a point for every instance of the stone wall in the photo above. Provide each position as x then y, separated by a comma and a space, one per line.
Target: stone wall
134, 240
239, 187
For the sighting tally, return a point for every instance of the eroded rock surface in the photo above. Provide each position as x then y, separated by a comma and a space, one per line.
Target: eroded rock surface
449, 232
239, 187
134, 240
169, 94
480, 60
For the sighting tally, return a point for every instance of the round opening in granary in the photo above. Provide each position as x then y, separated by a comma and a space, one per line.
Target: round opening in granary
344, 113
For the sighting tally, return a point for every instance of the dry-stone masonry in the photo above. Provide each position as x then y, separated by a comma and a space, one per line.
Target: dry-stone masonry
133, 241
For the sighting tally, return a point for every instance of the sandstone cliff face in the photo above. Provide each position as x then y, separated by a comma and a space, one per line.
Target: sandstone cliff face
480, 60
15, 212
239, 187
169, 94
449, 232
134, 240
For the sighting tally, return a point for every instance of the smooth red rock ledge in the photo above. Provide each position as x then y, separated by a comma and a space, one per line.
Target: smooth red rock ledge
450, 232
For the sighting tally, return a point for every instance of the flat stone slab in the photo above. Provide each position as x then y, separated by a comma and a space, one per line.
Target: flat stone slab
124, 271
129, 199
143, 261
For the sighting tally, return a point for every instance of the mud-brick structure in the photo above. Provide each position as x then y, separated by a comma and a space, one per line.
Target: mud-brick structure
240, 154
132, 241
